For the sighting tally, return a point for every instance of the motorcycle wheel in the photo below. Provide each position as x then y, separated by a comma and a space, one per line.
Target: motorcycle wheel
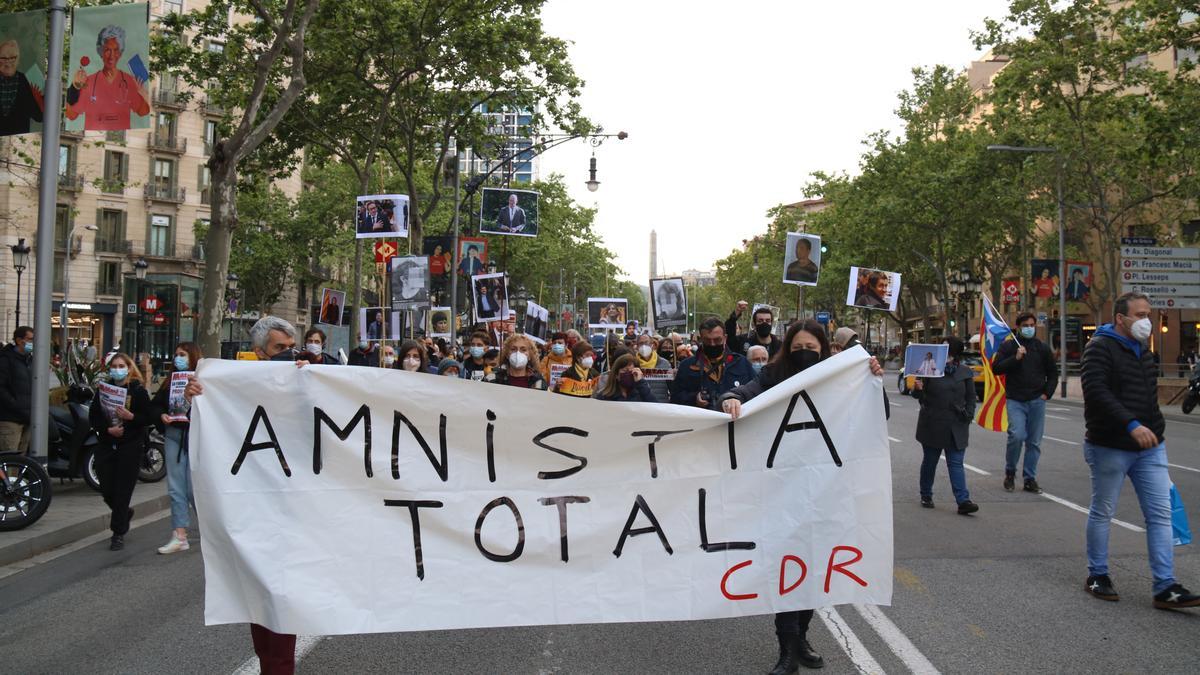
1189, 403
89, 470
154, 460
25, 493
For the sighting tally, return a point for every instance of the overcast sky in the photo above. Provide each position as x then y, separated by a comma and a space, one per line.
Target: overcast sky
730, 107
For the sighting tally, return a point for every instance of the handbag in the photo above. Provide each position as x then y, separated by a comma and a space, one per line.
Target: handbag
1179, 520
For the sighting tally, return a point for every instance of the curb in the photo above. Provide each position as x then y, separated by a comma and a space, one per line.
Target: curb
69, 534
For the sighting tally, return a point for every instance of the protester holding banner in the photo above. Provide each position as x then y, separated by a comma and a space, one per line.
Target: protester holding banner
702, 379
626, 382
475, 367
761, 322
175, 449
943, 425
518, 365
122, 440
582, 377
806, 344
412, 357
314, 345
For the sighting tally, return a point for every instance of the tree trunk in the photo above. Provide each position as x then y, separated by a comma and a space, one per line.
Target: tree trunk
216, 254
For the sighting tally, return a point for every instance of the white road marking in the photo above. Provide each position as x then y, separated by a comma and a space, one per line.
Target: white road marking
976, 469
1084, 510
1060, 440
849, 642
1058, 409
1056, 417
897, 641
894, 439
43, 558
895, 405
304, 645
1185, 468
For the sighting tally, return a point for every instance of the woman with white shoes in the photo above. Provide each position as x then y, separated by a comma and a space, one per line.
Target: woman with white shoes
175, 433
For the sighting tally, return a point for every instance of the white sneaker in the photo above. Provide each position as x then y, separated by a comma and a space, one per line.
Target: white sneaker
174, 546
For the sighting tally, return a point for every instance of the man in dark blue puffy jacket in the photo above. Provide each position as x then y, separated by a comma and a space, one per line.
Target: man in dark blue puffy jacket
700, 380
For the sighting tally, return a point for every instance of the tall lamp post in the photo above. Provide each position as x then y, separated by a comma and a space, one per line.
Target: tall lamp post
63, 318
231, 302
1062, 247
139, 272
966, 287
20, 253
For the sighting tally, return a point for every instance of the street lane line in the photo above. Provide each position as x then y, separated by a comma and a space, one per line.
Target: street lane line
1084, 510
1056, 417
1185, 468
1058, 409
849, 642
894, 439
976, 469
897, 641
1060, 440
895, 405
304, 645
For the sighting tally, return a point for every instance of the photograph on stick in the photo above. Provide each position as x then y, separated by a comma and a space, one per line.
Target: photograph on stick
439, 323
1079, 280
607, 312
504, 211
332, 303
410, 281
873, 289
802, 259
376, 323
926, 360
537, 323
1044, 278
669, 302
472, 256
381, 216
490, 295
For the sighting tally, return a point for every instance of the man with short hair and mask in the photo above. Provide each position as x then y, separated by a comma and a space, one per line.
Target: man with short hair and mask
474, 365
1125, 437
558, 355
702, 379
1031, 376
761, 322
16, 391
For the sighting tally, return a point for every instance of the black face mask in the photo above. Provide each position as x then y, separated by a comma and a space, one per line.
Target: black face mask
763, 329
714, 351
803, 358
285, 355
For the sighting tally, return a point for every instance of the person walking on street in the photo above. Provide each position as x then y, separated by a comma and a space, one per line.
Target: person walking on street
947, 409
761, 323
175, 451
1125, 437
16, 391
1031, 374
702, 379
122, 434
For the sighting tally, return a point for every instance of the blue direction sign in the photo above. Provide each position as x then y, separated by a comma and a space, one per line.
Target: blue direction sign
823, 317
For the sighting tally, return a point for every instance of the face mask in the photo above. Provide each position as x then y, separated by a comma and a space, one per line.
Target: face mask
285, 355
389, 361
646, 351
803, 358
587, 361
362, 345
714, 351
626, 380
558, 348
181, 363
118, 374
1141, 329
313, 348
757, 366
517, 360
1028, 331
28, 347
412, 364
763, 329
476, 352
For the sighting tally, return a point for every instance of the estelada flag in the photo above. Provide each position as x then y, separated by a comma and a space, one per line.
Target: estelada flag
993, 330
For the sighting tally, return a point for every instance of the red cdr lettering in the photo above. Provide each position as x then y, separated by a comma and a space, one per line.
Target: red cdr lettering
841, 567
782, 573
725, 579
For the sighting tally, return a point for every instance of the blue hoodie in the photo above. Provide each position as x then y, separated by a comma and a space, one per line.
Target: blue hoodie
1107, 330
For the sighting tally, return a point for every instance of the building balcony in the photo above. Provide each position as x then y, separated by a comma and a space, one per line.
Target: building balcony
168, 143
69, 182
198, 252
167, 98
206, 195
108, 287
105, 244
152, 249
111, 186
210, 107
115, 136
165, 193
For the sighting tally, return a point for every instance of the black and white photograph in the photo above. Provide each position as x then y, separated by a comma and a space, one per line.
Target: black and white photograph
410, 281
513, 212
668, 299
381, 216
926, 360
332, 303
537, 322
873, 289
607, 312
802, 259
376, 323
490, 295
439, 323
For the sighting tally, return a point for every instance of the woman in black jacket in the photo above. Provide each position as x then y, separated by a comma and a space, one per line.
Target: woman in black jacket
947, 409
626, 383
122, 442
805, 344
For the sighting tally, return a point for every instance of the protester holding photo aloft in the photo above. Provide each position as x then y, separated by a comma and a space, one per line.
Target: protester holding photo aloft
944, 425
805, 345
761, 323
122, 442
702, 379
518, 365
474, 366
626, 382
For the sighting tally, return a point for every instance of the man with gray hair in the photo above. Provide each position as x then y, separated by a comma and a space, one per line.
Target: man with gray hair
511, 218
20, 101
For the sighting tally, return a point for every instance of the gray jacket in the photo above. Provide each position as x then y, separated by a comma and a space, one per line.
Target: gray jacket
947, 409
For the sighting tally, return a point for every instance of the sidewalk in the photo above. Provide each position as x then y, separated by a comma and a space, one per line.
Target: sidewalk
76, 511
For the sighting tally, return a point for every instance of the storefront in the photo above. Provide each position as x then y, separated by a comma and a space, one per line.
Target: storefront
159, 313
94, 322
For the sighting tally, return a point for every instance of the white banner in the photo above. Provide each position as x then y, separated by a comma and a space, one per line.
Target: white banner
339, 500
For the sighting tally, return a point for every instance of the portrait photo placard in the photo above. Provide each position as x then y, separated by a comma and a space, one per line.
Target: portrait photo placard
537, 323
378, 323
472, 256
490, 295
873, 289
381, 216
439, 323
802, 259
668, 301
332, 303
926, 360
108, 78
23, 60
410, 281
607, 312
1079, 280
510, 212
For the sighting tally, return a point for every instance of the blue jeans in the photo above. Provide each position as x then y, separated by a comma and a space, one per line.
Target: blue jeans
1026, 422
954, 465
179, 479
1147, 470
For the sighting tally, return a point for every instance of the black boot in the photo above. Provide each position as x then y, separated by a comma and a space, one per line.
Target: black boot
788, 644
806, 656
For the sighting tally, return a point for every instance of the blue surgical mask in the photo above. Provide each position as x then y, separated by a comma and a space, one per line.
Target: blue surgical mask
476, 352
559, 349
181, 363
118, 374
362, 345
1028, 331
29, 347
757, 366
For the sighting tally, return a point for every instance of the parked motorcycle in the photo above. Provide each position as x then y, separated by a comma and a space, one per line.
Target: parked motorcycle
72, 446
1192, 397
25, 491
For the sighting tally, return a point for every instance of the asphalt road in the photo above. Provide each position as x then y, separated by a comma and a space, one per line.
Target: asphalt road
1000, 591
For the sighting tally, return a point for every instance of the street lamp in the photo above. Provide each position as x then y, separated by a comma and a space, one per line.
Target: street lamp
491, 266
139, 272
1062, 248
63, 319
231, 293
20, 253
592, 183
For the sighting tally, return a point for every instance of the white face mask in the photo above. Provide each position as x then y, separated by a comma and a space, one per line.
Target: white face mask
412, 363
313, 347
1141, 329
517, 360
587, 361
646, 351
388, 361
